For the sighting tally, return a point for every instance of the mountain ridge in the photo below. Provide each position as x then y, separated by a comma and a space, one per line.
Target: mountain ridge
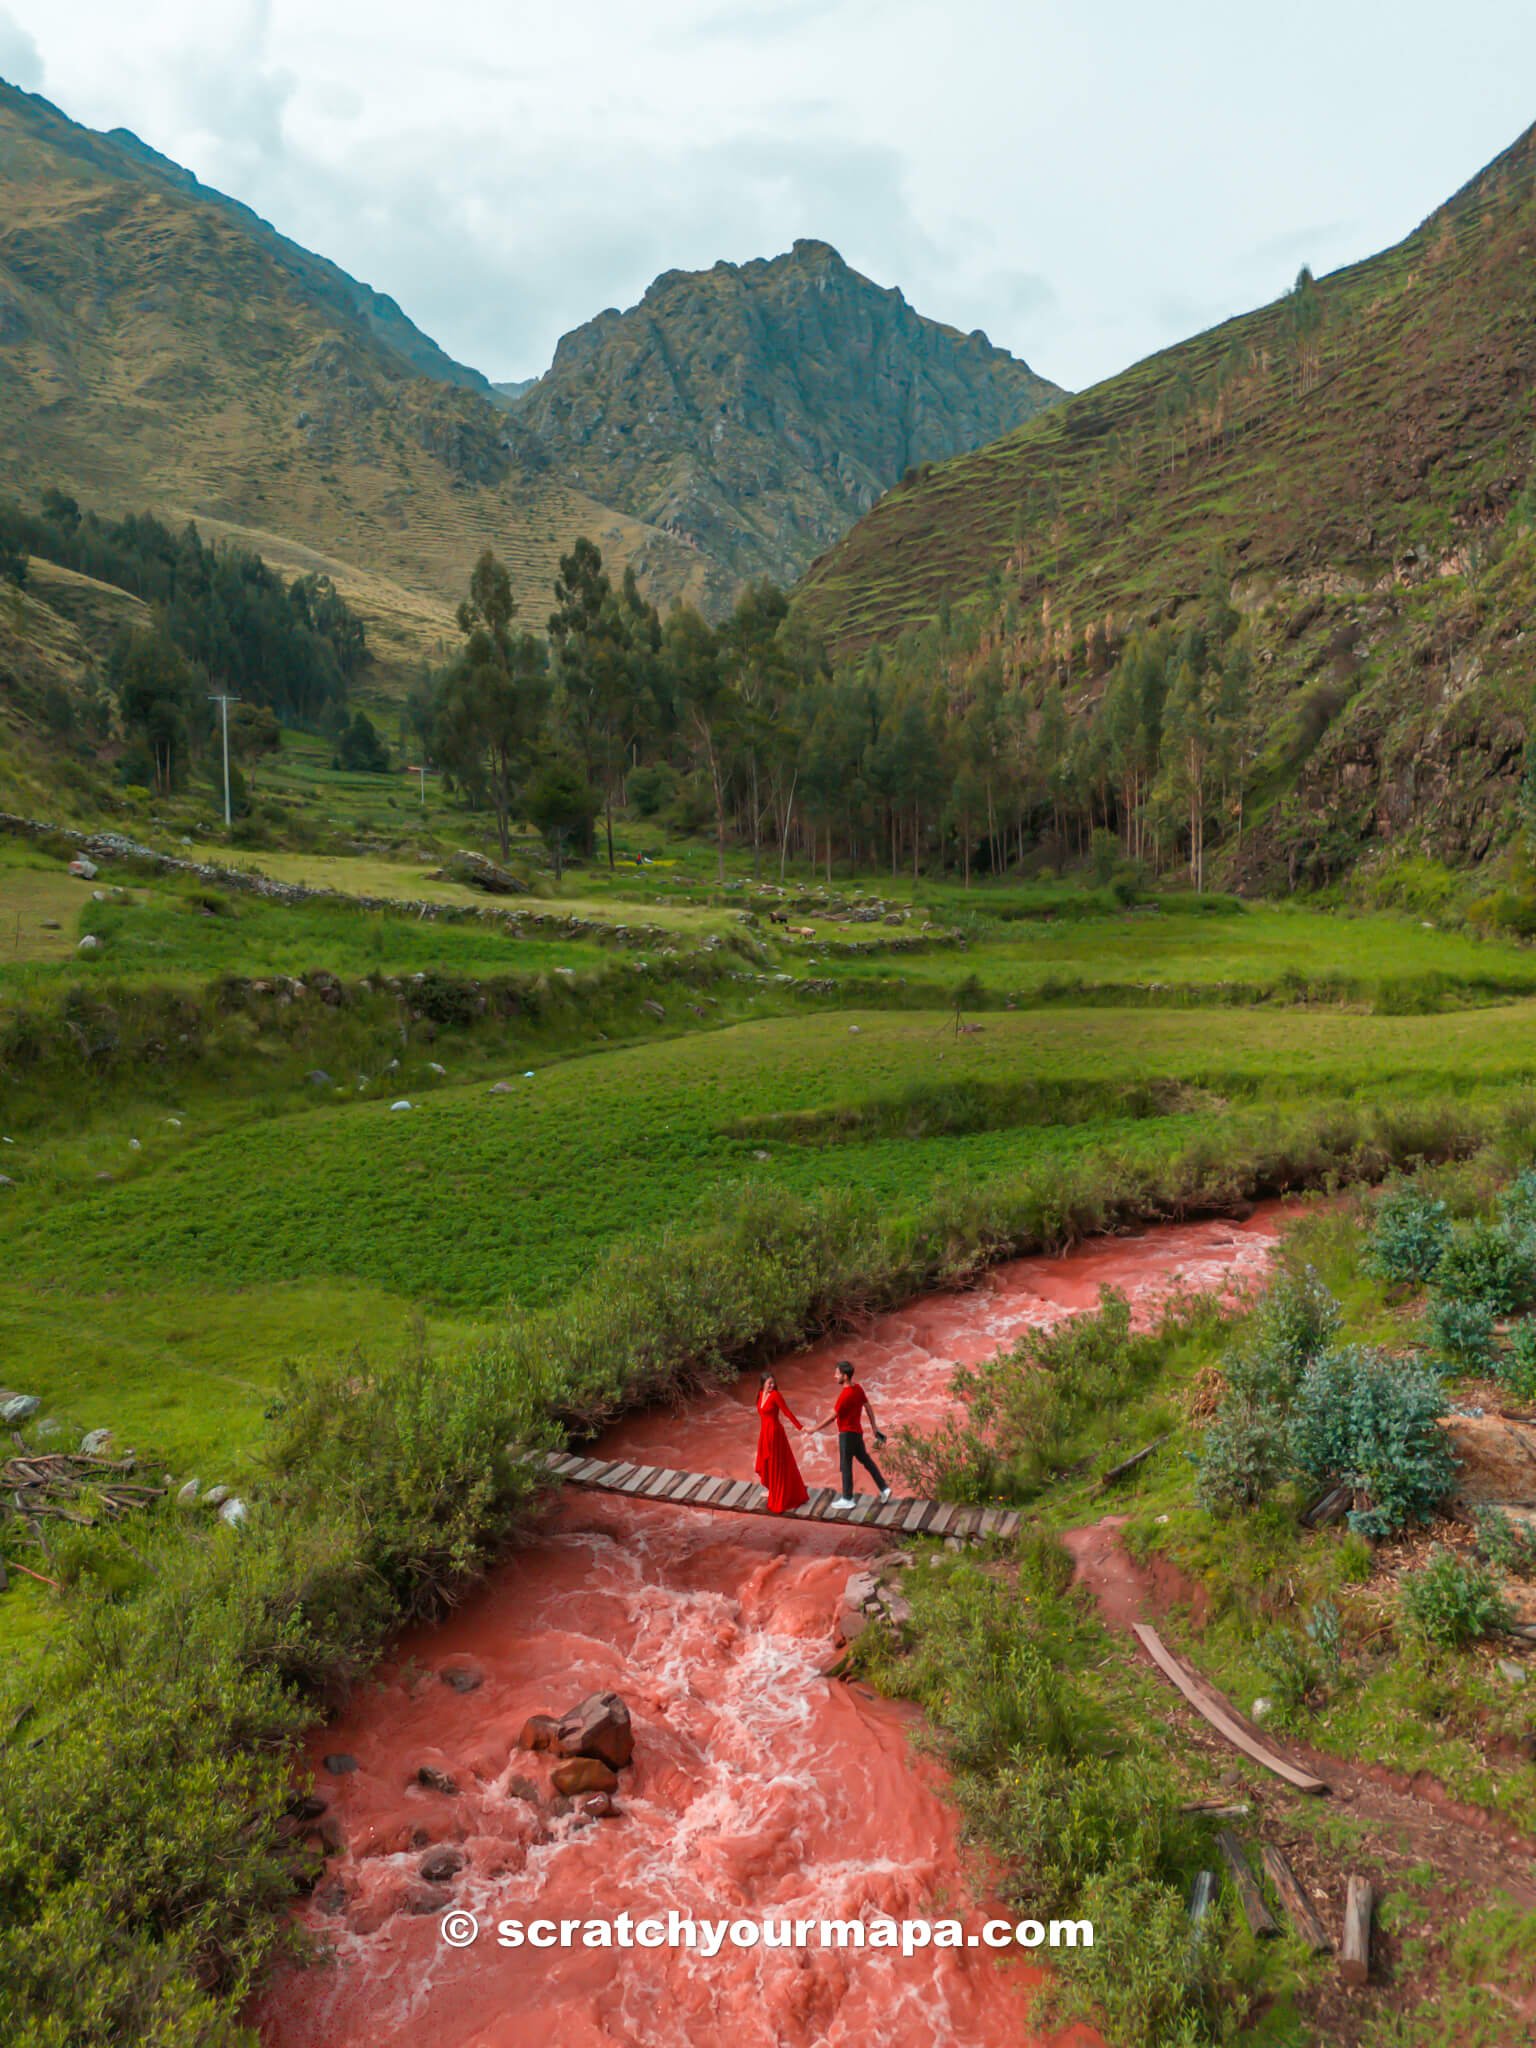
753, 409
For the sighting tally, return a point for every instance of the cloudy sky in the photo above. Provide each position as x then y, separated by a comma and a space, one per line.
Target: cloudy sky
1084, 179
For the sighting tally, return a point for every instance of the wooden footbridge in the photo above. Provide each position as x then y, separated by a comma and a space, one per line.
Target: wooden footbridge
745, 1497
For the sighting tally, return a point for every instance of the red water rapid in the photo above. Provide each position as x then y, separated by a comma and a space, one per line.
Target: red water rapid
759, 1788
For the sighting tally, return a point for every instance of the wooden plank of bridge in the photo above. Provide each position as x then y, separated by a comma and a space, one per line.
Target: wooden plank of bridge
909, 1515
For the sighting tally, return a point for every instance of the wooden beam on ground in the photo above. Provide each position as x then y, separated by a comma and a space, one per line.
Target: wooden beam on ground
1129, 1464
1331, 1506
1202, 1895
1302, 1913
1260, 1920
1220, 1713
1355, 1949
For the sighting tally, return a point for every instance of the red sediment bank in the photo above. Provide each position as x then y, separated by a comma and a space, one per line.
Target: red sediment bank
759, 1789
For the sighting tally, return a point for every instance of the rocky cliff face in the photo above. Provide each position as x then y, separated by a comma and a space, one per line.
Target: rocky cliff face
756, 410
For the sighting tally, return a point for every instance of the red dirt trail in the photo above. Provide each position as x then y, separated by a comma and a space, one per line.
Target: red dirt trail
759, 1788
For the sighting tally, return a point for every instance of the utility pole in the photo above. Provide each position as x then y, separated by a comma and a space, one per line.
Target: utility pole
224, 702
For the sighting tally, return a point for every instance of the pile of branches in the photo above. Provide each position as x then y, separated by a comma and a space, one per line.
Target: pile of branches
65, 1486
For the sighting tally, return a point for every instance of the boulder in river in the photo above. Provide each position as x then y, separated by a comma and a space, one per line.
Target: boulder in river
599, 1806
438, 1865
436, 1780
341, 1766
426, 1898
539, 1731
599, 1727
462, 1677
583, 1774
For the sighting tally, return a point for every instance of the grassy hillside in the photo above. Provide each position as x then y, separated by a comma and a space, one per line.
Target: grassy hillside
1359, 458
161, 348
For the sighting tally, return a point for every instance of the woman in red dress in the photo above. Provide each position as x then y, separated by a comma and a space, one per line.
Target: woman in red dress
776, 1466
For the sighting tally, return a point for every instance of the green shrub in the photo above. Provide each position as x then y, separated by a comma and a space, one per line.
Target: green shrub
1461, 1332
1485, 1262
1451, 1603
1408, 1236
1292, 1671
1516, 1367
1245, 1455
1506, 1546
1371, 1421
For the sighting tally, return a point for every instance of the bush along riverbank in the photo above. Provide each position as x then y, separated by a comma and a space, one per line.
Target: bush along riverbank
1336, 1523
146, 1774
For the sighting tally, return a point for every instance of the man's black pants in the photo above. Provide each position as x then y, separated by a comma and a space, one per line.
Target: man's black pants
850, 1445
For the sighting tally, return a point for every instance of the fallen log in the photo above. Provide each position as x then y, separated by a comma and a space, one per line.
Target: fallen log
1202, 1896
1216, 1809
1260, 1920
1355, 1950
1331, 1506
1129, 1464
1220, 1713
1303, 1914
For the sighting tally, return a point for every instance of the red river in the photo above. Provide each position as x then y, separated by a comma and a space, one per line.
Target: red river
759, 1788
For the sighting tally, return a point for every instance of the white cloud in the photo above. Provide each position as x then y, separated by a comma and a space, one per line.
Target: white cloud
21, 61
1077, 182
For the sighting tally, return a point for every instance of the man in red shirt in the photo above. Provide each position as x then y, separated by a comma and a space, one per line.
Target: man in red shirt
848, 1411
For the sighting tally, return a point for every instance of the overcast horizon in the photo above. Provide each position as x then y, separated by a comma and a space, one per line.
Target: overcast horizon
1083, 192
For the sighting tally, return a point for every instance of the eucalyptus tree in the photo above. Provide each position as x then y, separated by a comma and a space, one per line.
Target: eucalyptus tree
492, 700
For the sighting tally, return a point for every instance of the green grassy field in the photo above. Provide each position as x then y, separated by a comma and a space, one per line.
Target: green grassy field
1251, 949
471, 1199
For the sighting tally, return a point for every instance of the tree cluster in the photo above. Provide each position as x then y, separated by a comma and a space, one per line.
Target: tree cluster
295, 647
970, 745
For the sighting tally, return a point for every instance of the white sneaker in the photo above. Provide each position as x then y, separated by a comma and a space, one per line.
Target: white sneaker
838, 1506
885, 1493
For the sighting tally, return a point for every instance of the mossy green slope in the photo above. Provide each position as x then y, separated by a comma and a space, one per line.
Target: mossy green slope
1358, 455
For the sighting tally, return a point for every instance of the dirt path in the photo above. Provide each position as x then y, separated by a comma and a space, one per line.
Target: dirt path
1398, 1821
